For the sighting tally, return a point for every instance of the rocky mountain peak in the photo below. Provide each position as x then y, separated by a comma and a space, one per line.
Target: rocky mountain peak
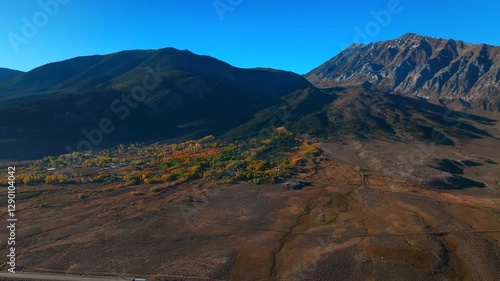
413, 64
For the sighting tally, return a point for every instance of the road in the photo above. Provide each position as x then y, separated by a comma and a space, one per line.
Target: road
38, 276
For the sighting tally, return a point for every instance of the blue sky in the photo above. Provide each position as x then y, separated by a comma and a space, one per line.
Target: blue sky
291, 35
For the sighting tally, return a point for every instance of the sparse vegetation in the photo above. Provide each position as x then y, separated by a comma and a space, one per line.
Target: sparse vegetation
82, 196
257, 161
136, 193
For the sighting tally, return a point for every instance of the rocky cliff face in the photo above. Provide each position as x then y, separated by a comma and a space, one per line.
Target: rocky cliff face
433, 68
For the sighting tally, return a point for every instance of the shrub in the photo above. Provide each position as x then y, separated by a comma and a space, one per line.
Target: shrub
56, 179
153, 181
129, 177
309, 150
298, 161
156, 189
196, 169
132, 182
82, 196
257, 181
168, 177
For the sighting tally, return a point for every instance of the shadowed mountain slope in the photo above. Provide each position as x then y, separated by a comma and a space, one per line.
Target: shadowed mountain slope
355, 112
7, 74
143, 95
90, 102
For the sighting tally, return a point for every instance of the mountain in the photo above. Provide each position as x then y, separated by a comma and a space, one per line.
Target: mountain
441, 70
367, 115
7, 74
127, 69
91, 102
142, 96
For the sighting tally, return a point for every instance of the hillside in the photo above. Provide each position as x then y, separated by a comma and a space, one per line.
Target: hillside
90, 103
437, 69
368, 114
7, 74
128, 69
142, 96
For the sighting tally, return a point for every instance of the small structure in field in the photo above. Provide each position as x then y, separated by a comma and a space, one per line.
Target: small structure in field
295, 184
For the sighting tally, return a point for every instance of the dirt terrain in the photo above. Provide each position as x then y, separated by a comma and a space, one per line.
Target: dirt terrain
334, 229
468, 163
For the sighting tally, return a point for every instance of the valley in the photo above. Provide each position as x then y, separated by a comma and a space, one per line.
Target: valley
382, 163
331, 229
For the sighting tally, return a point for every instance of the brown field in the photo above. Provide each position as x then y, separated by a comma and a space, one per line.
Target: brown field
331, 230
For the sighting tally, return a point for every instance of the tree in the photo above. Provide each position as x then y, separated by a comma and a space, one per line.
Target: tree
167, 177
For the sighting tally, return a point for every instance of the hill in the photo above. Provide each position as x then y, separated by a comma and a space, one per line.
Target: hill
7, 74
87, 103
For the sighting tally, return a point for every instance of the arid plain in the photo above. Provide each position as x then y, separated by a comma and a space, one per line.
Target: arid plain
334, 229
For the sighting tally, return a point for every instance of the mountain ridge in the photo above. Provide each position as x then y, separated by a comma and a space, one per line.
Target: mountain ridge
183, 94
126, 69
7, 74
428, 67
146, 95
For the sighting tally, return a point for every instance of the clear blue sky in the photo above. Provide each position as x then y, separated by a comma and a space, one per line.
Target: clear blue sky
292, 35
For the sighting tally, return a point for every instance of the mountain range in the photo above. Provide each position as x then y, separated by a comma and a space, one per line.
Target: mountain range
148, 95
380, 164
366, 91
443, 70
